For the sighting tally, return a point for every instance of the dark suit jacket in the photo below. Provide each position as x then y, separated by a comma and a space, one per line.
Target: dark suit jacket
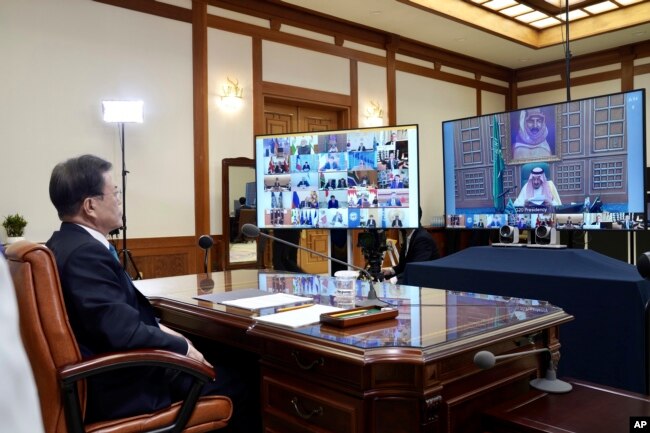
422, 247
107, 313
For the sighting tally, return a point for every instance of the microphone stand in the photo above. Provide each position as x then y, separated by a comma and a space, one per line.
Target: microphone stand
550, 383
340, 262
373, 299
502, 196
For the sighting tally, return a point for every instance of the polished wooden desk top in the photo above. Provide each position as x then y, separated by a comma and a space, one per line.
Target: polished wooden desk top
411, 374
432, 321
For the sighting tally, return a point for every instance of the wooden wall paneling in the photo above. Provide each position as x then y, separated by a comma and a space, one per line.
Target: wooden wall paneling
341, 31
201, 157
453, 60
217, 256
304, 18
577, 81
354, 95
627, 69
578, 63
312, 97
437, 74
391, 81
479, 107
642, 69
153, 7
512, 95
258, 90
165, 257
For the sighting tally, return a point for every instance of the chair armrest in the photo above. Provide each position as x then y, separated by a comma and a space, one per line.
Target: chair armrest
69, 375
136, 358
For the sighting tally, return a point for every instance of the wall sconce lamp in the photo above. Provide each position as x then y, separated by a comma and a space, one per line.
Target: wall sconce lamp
374, 114
232, 95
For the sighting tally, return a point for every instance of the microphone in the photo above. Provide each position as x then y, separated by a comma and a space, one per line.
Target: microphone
550, 383
206, 285
206, 243
252, 231
507, 190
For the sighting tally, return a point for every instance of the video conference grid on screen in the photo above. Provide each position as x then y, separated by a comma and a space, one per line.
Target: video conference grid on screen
573, 166
360, 178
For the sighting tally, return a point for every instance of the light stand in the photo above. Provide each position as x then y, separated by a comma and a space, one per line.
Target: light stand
124, 254
567, 53
121, 112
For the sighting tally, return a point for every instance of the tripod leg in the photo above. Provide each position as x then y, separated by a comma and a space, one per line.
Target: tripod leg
127, 259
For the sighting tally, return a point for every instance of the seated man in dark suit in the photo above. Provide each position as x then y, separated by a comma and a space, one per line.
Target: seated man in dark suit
106, 311
397, 182
417, 246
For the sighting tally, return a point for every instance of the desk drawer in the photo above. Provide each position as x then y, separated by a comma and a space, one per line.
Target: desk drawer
310, 363
292, 401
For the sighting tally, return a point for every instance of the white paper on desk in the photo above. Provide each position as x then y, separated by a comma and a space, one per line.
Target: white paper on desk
266, 301
298, 317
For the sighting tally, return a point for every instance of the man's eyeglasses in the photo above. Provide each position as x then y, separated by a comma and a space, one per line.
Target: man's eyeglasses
117, 194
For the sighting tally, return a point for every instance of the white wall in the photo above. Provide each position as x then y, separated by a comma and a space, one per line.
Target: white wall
428, 103
60, 60
643, 82
230, 133
303, 68
492, 102
371, 88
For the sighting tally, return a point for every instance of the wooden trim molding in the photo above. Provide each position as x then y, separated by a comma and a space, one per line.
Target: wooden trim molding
153, 7
258, 90
391, 82
270, 89
575, 81
343, 31
437, 74
354, 92
201, 146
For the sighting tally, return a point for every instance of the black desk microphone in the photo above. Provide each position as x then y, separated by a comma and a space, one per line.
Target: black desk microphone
206, 243
550, 383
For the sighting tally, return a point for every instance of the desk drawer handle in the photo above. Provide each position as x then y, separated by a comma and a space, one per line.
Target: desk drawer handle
316, 363
318, 411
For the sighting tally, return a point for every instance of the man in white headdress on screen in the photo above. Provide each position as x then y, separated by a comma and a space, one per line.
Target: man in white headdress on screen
531, 139
538, 191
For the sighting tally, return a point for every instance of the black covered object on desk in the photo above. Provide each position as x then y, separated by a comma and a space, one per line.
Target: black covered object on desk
607, 343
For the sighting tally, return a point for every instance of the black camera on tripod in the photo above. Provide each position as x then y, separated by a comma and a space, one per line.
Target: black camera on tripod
373, 245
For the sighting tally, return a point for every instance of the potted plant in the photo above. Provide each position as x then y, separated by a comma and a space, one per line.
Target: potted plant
15, 227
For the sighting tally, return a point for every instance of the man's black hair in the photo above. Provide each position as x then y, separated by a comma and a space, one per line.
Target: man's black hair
76, 179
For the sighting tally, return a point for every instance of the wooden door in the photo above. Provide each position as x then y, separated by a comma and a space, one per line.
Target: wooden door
282, 117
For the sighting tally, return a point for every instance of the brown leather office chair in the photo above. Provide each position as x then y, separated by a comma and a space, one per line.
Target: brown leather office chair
59, 370
246, 216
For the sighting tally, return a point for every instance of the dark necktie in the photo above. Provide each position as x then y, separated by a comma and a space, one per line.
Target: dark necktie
113, 251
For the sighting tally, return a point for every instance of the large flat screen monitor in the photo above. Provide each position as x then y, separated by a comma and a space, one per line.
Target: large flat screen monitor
574, 165
355, 178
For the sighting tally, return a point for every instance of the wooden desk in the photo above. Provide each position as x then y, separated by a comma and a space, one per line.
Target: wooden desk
588, 408
411, 374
